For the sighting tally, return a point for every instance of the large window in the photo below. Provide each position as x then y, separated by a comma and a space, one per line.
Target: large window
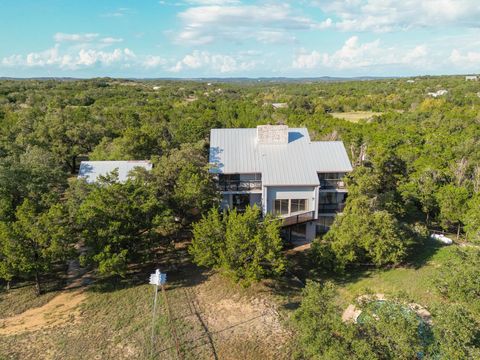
298, 205
286, 206
281, 206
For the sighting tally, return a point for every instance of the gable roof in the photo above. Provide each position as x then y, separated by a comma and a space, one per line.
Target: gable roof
294, 163
92, 170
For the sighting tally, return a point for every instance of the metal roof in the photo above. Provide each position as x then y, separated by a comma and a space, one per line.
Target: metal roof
92, 170
294, 163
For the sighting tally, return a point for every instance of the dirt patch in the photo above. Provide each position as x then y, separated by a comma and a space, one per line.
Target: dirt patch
243, 326
62, 309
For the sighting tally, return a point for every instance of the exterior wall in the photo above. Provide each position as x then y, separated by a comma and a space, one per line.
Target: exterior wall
290, 192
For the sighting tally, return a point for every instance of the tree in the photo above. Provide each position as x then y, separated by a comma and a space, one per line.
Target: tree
70, 132
33, 243
120, 221
208, 238
183, 175
35, 175
459, 277
387, 330
471, 219
393, 330
244, 245
457, 333
362, 234
452, 202
321, 333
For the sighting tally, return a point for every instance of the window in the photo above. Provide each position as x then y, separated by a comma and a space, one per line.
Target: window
281, 206
298, 205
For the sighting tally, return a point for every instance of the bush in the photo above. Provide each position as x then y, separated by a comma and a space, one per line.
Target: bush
459, 278
362, 234
386, 333
242, 244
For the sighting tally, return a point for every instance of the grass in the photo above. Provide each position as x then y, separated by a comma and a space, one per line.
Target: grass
116, 316
115, 319
20, 298
414, 281
355, 116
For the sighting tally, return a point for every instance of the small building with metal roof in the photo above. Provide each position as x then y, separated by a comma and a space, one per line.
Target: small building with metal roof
92, 170
283, 171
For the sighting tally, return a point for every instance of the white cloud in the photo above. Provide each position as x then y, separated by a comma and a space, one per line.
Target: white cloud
392, 15
62, 37
153, 61
212, 2
213, 63
306, 60
73, 59
355, 55
110, 40
205, 24
469, 60
120, 12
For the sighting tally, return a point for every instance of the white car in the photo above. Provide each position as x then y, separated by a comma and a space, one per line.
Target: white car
442, 238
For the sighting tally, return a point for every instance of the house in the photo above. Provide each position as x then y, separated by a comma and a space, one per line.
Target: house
92, 170
471, 78
280, 105
438, 93
283, 172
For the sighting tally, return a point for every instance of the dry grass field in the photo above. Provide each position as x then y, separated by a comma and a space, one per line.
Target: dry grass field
355, 116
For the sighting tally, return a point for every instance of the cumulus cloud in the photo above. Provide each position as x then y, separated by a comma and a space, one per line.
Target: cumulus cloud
468, 60
216, 63
72, 58
205, 24
55, 57
392, 15
354, 54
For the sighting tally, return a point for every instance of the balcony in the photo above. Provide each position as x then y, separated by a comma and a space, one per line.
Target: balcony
299, 218
331, 208
240, 185
331, 184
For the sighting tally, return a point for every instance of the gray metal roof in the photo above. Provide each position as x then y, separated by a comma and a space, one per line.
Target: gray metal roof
295, 163
92, 170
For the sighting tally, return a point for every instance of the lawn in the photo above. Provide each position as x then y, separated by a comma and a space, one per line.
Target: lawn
355, 116
21, 297
212, 317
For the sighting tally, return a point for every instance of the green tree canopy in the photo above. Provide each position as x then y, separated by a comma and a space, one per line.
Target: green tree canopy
244, 245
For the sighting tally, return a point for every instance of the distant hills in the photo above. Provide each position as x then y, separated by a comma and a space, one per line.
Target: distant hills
223, 80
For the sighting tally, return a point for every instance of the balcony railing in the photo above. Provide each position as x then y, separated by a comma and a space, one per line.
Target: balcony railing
240, 185
299, 218
332, 184
331, 208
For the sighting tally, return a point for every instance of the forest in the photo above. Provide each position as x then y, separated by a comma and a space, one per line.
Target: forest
416, 171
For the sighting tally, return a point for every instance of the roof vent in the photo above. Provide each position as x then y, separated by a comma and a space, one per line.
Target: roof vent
272, 134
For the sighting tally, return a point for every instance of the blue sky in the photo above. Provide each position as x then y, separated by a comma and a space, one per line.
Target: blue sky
229, 38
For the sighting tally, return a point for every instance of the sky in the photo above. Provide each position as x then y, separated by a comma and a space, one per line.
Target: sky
238, 38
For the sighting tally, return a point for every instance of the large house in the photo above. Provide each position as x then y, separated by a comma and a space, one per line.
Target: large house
283, 172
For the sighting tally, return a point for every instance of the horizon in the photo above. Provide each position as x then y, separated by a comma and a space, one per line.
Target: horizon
194, 39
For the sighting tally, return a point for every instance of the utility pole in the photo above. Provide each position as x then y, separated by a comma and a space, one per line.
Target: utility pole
156, 279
